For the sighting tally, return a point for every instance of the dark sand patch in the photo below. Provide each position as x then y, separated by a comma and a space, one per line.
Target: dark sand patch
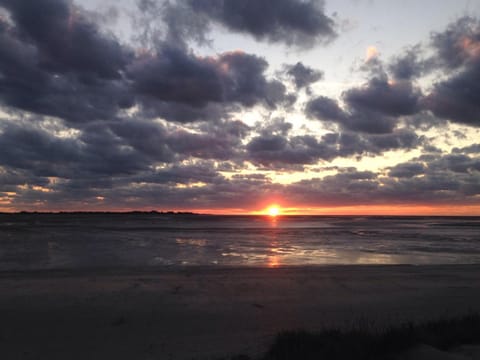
211, 312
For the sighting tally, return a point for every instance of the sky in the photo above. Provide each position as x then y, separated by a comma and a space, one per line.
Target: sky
231, 106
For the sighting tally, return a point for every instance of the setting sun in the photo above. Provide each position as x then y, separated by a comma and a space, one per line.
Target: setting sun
273, 210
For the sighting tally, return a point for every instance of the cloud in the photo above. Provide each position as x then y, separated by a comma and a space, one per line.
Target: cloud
394, 98
92, 123
371, 53
367, 121
375, 107
292, 22
279, 151
407, 170
54, 61
303, 75
458, 97
409, 65
220, 141
66, 39
433, 180
61, 64
175, 76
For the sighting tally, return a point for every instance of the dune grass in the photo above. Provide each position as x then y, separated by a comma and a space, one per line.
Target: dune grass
366, 342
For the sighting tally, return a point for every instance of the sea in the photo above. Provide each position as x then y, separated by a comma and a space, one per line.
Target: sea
35, 241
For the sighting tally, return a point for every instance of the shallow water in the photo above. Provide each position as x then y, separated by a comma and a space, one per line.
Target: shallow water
59, 241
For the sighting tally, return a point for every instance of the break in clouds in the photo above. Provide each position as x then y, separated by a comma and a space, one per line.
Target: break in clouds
93, 120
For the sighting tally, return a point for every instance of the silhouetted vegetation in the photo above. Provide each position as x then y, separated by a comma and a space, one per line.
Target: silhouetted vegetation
368, 343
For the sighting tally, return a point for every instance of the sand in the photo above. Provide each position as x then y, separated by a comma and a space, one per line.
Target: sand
210, 312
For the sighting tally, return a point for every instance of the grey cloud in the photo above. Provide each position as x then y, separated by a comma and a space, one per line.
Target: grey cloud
26, 147
394, 99
373, 108
440, 183
456, 45
38, 79
283, 152
411, 64
279, 152
458, 98
66, 39
146, 137
471, 149
276, 126
185, 113
60, 64
458, 163
177, 174
348, 143
303, 75
327, 109
205, 146
406, 67
407, 170
293, 22
176, 76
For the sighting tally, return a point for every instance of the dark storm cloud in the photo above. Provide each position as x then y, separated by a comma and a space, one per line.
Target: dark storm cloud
458, 163
444, 178
458, 98
388, 98
350, 143
122, 148
66, 39
23, 146
174, 75
458, 51
293, 22
71, 70
457, 45
367, 121
221, 142
148, 138
440, 180
409, 65
96, 152
407, 170
204, 172
53, 61
11, 178
275, 126
325, 108
282, 152
471, 149
373, 108
303, 75
346, 187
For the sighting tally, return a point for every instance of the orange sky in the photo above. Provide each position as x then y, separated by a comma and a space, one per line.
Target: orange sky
404, 210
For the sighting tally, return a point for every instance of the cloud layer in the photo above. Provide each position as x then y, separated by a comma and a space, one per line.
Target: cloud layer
92, 121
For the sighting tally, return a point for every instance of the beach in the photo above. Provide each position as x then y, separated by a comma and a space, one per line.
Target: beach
210, 312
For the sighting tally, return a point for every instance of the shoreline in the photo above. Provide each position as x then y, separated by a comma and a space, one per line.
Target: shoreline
131, 270
213, 312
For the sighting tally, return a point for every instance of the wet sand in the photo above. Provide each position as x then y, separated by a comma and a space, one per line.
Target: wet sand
210, 312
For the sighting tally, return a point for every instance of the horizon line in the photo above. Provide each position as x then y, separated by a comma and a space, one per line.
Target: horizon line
172, 212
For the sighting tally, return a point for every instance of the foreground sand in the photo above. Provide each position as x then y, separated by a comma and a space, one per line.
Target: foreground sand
204, 313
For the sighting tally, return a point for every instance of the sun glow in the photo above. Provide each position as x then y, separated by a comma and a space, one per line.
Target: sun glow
273, 210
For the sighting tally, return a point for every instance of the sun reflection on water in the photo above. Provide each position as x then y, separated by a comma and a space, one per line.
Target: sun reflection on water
273, 260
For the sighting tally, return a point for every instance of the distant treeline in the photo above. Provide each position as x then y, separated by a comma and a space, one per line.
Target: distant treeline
105, 212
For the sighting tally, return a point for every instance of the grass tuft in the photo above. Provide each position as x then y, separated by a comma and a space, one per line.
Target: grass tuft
367, 344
